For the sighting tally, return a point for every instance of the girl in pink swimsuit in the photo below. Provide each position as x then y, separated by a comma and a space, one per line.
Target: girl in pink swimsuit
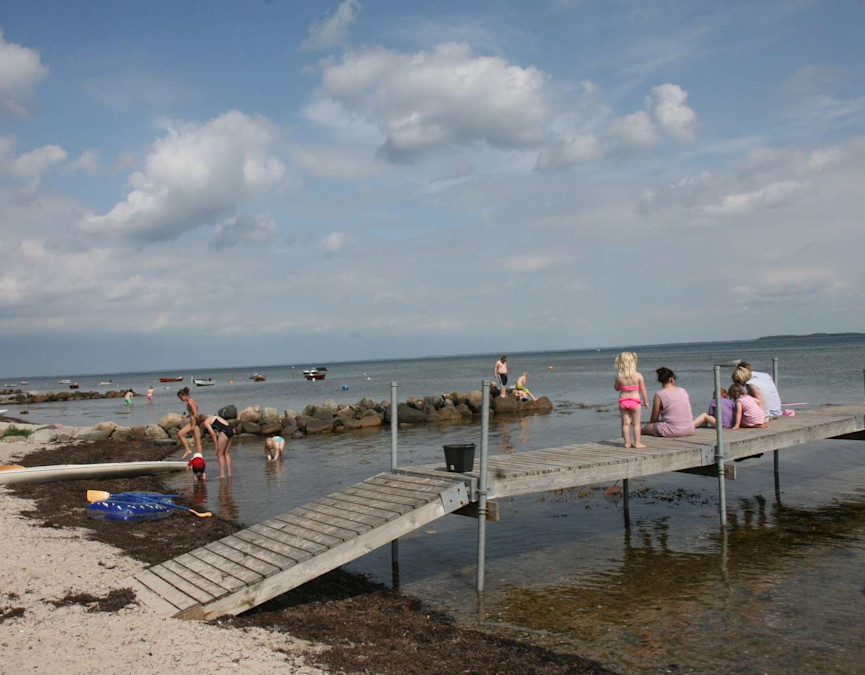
749, 413
632, 394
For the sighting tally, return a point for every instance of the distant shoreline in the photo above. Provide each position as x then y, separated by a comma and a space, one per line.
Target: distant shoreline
809, 336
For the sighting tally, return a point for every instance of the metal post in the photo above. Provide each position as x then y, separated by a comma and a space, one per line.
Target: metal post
719, 448
482, 485
394, 427
775, 463
627, 503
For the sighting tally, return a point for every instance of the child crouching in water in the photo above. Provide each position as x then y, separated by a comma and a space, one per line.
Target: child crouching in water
197, 464
273, 447
749, 413
728, 413
632, 394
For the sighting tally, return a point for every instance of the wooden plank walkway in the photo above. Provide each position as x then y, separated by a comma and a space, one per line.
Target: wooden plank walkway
252, 566
243, 570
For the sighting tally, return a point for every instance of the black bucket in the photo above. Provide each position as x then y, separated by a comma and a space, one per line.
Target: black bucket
460, 458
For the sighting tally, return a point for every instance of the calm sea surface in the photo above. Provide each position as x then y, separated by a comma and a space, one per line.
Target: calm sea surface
781, 591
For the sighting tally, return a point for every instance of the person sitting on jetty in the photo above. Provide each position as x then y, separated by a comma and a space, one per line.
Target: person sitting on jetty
198, 465
632, 395
273, 446
222, 434
500, 373
191, 425
761, 386
671, 409
728, 412
749, 414
521, 391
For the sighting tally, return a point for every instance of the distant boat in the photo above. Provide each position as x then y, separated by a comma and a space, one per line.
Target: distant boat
257, 377
74, 385
106, 383
203, 382
315, 373
171, 379
64, 381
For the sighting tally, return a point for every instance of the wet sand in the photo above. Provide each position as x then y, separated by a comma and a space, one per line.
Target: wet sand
62, 578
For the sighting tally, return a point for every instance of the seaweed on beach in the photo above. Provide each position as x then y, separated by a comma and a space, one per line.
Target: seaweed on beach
115, 600
10, 613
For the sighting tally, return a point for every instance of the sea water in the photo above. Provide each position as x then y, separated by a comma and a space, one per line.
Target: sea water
780, 591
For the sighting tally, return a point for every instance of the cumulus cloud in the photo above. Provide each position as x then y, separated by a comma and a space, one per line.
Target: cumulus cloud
29, 166
195, 175
331, 32
671, 113
772, 195
439, 98
86, 162
635, 132
579, 150
244, 228
21, 69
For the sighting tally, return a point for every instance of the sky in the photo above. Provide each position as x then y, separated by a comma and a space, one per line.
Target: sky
194, 185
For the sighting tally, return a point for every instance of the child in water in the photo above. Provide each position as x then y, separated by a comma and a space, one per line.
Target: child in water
728, 413
749, 413
198, 465
273, 447
632, 394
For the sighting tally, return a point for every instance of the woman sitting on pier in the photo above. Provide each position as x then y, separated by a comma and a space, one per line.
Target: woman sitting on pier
671, 409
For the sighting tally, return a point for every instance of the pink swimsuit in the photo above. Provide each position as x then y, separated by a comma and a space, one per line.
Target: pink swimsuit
629, 402
752, 414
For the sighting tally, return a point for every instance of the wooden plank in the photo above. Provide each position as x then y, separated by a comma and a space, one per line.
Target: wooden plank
297, 542
307, 530
302, 520
215, 575
348, 525
444, 482
384, 494
346, 502
344, 512
193, 577
396, 488
243, 565
424, 471
179, 582
386, 507
339, 555
166, 591
150, 599
401, 482
256, 551
274, 545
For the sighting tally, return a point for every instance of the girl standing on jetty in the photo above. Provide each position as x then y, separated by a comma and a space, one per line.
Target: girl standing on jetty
222, 434
632, 394
671, 409
191, 425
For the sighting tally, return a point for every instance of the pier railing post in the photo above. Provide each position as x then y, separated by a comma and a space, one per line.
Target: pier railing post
482, 485
776, 466
394, 427
719, 448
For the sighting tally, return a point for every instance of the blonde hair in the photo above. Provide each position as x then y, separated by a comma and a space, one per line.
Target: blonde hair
626, 364
742, 374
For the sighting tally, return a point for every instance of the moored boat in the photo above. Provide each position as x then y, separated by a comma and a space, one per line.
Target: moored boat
171, 379
105, 383
257, 377
64, 381
74, 385
203, 381
318, 373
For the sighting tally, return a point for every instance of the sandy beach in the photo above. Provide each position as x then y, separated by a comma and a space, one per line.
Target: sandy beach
41, 564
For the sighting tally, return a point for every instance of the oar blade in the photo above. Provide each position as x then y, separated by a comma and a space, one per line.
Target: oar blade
97, 495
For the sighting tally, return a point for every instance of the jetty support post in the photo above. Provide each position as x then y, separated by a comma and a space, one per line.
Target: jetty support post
775, 461
482, 486
626, 502
394, 427
719, 448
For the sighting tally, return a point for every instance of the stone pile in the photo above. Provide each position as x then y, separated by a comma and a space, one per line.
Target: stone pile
18, 397
321, 418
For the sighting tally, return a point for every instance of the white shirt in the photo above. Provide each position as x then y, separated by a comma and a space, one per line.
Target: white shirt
771, 399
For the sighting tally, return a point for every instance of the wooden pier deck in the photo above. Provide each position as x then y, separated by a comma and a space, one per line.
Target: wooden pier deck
243, 570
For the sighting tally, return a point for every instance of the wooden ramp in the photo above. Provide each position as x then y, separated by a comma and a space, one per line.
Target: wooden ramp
252, 566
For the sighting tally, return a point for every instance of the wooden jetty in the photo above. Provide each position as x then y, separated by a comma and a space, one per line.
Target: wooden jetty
247, 568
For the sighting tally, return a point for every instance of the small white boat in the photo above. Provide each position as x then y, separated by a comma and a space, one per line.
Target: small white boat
203, 381
64, 381
45, 474
106, 383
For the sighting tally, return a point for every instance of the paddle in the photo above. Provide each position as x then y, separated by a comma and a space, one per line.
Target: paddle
101, 496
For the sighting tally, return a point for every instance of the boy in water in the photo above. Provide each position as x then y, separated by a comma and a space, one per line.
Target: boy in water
198, 465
